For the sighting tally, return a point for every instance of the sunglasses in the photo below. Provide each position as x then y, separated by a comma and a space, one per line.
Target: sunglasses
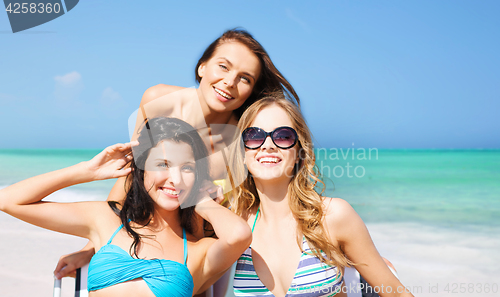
282, 137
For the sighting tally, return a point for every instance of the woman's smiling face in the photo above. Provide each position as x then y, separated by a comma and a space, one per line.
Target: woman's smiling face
269, 162
229, 76
170, 173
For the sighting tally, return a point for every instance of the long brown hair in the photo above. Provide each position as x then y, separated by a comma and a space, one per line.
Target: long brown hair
305, 202
138, 205
270, 79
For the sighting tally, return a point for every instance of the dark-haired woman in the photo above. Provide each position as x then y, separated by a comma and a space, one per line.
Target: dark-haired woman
233, 72
145, 245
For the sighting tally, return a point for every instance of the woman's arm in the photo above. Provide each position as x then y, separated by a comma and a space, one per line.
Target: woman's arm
346, 227
233, 233
150, 107
23, 199
68, 264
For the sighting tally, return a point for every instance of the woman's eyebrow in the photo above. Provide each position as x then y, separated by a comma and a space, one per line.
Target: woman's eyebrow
167, 161
161, 159
231, 64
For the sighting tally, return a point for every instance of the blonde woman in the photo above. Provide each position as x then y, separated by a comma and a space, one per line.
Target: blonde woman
302, 241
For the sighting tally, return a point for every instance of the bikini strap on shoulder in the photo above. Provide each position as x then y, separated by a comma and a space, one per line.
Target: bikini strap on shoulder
185, 246
256, 215
114, 234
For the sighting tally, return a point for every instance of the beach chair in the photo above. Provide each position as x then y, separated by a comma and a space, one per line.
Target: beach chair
80, 283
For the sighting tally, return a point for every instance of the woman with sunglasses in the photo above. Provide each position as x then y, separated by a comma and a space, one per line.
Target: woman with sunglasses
302, 241
233, 72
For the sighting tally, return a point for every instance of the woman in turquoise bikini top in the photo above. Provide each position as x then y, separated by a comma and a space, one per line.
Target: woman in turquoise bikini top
301, 240
149, 237
112, 265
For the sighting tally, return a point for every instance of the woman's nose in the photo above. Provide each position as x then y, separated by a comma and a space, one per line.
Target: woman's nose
268, 144
230, 80
174, 175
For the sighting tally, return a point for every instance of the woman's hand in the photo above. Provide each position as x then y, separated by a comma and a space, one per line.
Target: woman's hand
233, 233
68, 264
111, 161
23, 200
209, 191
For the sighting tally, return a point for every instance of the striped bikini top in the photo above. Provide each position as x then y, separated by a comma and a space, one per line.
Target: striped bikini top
112, 265
312, 278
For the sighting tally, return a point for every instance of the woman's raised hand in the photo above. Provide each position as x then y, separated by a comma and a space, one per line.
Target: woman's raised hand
209, 191
111, 162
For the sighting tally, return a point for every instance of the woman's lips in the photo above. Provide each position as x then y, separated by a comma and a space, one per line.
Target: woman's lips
170, 192
269, 160
222, 95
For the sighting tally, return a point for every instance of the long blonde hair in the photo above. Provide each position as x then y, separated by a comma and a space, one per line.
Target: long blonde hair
305, 202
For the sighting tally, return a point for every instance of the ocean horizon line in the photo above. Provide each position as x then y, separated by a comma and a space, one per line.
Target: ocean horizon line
316, 148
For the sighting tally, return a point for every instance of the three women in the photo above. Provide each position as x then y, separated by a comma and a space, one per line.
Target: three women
301, 240
233, 72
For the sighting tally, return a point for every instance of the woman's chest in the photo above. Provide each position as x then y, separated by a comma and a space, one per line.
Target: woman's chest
285, 272
275, 262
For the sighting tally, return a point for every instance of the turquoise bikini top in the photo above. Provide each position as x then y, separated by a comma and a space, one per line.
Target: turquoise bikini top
112, 265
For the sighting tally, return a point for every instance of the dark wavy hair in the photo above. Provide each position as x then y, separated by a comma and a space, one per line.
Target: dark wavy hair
138, 206
270, 79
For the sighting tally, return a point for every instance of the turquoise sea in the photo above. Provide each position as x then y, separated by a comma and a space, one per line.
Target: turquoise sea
434, 213
449, 188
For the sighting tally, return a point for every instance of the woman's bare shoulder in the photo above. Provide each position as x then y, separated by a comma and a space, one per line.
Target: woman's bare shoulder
341, 217
337, 210
158, 91
103, 211
332, 205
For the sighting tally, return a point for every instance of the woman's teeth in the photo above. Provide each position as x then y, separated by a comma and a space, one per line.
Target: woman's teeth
223, 94
269, 160
170, 192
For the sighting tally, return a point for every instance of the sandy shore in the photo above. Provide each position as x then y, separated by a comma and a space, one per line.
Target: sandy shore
427, 259
29, 255
439, 262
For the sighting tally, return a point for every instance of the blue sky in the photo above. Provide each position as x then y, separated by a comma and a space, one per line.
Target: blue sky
384, 74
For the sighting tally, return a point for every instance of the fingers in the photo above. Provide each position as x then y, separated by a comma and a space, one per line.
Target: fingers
123, 172
60, 265
124, 148
215, 192
127, 158
64, 269
220, 195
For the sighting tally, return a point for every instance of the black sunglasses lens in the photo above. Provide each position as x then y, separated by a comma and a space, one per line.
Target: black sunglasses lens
284, 137
253, 137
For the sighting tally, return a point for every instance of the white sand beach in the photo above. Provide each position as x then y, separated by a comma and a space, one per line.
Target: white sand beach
28, 256
425, 257
434, 261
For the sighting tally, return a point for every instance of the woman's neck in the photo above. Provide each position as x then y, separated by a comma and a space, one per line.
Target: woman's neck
273, 201
163, 220
211, 116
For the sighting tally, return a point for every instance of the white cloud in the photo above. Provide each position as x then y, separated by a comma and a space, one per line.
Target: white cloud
71, 78
68, 87
112, 102
110, 96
